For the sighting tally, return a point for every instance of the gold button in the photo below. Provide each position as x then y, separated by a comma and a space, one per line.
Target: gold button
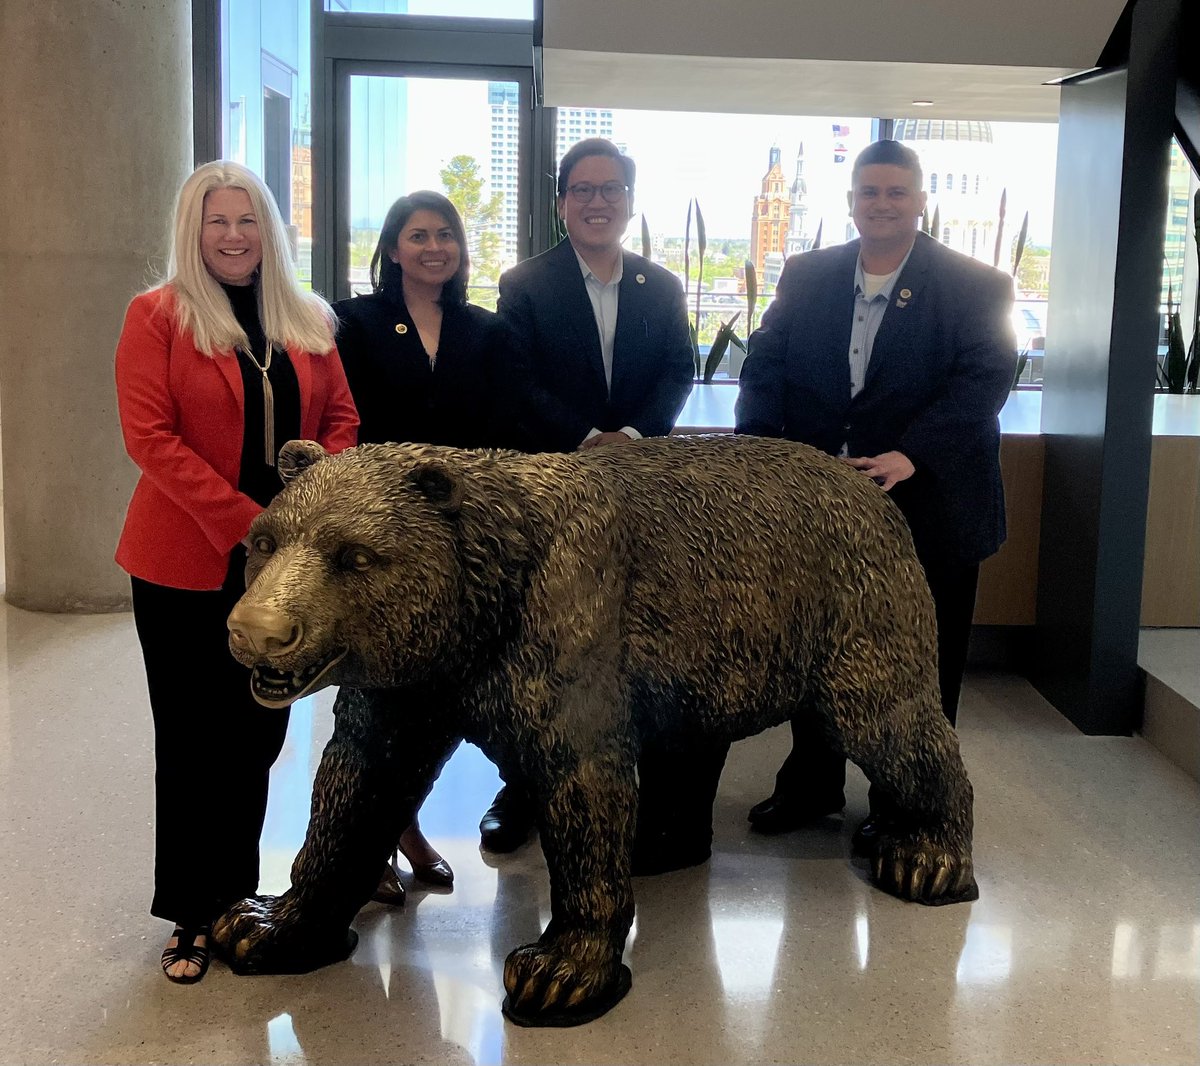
401, 328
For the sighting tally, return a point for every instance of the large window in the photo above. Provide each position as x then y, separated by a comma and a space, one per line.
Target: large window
970, 167
480, 9
400, 141
766, 186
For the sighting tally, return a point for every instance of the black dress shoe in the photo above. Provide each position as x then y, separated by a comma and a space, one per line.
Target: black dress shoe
866, 836
781, 813
507, 823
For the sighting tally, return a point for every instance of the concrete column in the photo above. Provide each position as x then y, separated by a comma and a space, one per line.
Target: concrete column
97, 139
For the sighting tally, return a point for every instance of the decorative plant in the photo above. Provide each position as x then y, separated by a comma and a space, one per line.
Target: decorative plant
1023, 355
752, 295
933, 224
721, 342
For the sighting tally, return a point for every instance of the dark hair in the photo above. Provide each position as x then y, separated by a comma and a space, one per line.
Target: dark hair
386, 275
889, 153
594, 146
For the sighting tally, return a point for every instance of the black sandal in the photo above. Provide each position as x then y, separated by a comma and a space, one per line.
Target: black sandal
187, 950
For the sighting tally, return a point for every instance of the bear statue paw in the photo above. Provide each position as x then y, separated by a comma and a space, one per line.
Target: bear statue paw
917, 869
267, 934
561, 981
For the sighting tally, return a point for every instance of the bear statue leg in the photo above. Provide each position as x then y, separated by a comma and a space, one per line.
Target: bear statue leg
371, 779
573, 973
920, 796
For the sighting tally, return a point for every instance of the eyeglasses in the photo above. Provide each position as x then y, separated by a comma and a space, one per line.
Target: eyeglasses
612, 191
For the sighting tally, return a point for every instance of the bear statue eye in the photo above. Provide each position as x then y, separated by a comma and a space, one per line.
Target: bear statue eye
357, 559
264, 545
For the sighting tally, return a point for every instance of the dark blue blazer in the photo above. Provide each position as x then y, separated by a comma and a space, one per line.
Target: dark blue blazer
544, 301
941, 368
466, 400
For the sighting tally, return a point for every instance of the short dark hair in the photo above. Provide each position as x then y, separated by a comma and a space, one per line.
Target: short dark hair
387, 275
594, 146
889, 153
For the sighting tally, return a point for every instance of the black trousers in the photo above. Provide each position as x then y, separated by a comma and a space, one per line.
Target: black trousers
213, 750
813, 770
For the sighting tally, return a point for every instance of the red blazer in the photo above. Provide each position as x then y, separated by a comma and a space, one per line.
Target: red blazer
182, 415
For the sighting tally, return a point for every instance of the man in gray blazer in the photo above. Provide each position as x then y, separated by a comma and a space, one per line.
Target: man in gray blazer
897, 354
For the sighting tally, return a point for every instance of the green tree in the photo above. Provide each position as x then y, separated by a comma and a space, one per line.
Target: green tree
1033, 274
481, 217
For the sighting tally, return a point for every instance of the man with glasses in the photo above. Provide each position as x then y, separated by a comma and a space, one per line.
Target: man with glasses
606, 334
897, 354
606, 330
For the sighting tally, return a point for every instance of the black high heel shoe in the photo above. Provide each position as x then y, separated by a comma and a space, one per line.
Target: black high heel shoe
187, 950
389, 890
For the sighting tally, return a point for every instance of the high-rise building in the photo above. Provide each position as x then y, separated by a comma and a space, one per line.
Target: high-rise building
574, 124
504, 101
769, 222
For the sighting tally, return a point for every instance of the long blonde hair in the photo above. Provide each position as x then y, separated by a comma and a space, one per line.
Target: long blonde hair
290, 316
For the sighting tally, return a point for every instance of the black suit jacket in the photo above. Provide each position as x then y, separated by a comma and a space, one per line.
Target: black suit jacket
941, 368
466, 400
544, 300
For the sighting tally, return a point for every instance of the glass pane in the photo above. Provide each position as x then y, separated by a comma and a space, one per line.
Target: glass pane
267, 124
1181, 246
477, 9
768, 186
401, 141
969, 166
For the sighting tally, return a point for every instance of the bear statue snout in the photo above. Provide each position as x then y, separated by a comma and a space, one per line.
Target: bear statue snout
262, 631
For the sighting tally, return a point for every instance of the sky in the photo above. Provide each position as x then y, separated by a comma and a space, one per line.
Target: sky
720, 159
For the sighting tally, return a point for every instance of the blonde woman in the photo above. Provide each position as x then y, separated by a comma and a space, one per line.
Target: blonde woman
216, 368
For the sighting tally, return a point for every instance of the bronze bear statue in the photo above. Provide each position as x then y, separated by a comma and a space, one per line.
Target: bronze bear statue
557, 611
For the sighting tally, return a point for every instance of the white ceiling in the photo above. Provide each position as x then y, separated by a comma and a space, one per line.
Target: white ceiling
799, 87
973, 58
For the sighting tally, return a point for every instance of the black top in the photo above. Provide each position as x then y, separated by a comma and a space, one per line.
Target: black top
256, 478
468, 398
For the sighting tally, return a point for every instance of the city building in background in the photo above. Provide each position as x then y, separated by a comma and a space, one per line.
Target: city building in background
798, 240
504, 104
769, 221
959, 161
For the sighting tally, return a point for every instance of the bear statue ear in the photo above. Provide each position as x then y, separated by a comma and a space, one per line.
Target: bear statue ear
439, 484
297, 456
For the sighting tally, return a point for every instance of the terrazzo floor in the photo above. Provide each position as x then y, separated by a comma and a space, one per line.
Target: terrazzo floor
1084, 946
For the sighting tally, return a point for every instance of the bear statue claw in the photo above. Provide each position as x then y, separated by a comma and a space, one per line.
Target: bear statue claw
261, 935
547, 987
923, 873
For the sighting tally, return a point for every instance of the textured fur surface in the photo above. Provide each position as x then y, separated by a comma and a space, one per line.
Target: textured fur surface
557, 610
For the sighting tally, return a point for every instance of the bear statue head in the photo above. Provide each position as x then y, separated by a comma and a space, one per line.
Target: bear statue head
353, 575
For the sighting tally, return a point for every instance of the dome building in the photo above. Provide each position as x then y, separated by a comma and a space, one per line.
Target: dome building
958, 158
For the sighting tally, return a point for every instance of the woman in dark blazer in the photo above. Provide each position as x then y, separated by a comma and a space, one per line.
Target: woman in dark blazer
427, 367
215, 369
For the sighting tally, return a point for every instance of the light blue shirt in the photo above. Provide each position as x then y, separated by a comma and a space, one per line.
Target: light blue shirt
868, 315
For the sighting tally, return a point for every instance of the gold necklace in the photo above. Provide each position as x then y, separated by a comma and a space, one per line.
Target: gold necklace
268, 403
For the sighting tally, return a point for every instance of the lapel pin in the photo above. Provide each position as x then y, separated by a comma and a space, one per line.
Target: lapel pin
905, 294
401, 328
901, 303
640, 278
